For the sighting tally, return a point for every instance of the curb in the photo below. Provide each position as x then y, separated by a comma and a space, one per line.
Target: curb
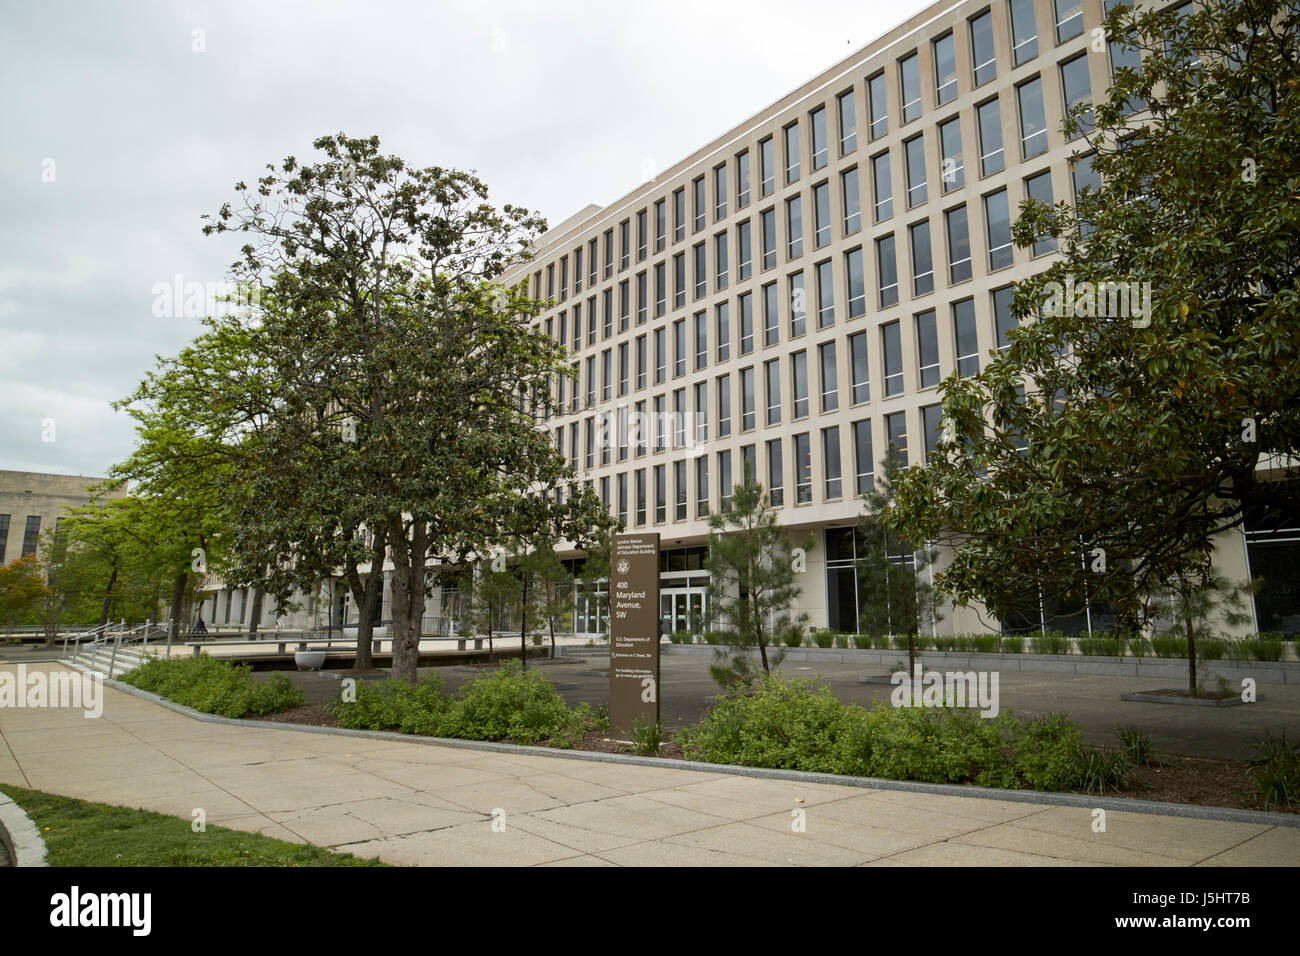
19, 835
1190, 811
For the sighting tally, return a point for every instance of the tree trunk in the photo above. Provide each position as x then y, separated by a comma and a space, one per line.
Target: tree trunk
180, 614
911, 654
523, 625
408, 598
1191, 658
108, 594
368, 595
255, 613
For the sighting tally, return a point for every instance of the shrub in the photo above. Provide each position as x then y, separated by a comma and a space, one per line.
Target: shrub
647, 738
986, 643
715, 637
1012, 643
1276, 771
899, 642
880, 642
938, 745
843, 641
510, 703
1169, 644
1139, 646
863, 642
1136, 744
945, 642
1099, 769
394, 704
1263, 649
1211, 648
680, 637
1052, 642
793, 637
823, 637
576, 726
1049, 752
215, 686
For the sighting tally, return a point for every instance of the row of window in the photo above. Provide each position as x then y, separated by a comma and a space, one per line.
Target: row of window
31, 535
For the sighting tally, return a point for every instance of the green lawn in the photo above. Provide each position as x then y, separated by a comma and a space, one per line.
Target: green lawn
78, 833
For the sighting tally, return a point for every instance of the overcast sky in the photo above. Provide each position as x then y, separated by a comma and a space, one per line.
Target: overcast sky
120, 125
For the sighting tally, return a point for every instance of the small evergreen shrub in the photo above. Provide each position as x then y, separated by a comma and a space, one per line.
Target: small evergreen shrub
215, 686
647, 738
512, 704
823, 637
1049, 753
1276, 771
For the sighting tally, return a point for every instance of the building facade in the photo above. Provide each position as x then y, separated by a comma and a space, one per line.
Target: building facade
786, 300
32, 502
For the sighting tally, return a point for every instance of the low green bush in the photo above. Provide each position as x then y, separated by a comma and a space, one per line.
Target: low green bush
823, 637
1211, 648
1276, 771
1051, 642
880, 642
1136, 745
681, 637
1169, 644
862, 642
1012, 643
793, 637
647, 738
1049, 752
1100, 769
215, 686
986, 643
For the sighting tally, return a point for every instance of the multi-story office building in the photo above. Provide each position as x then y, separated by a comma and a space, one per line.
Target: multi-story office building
786, 300
32, 502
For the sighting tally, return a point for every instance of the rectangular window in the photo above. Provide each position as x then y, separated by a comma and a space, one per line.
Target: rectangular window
1003, 320
661, 494
945, 69
922, 258
701, 270
821, 214
878, 105
799, 380
1033, 124
702, 411
593, 274
577, 269
882, 187
775, 474
660, 423
791, 136
640, 496
965, 339
641, 429
771, 316
959, 259
1076, 87
887, 271
701, 486
701, 339
679, 418
914, 152
679, 348
747, 399
794, 227
766, 167
891, 346
622, 368
746, 306
857, 282
909, 82
852, 205
642, 305
624, 305
641, 362
848, 123
591, 319
679, 280
642, 239
1039, 188
772, 388
609, 253
742, 179
954, 165
802, 469
743, 252
931, 428
767, 228
591, 380
550, 281
989, 121
820, 153
661, 293
927, 349
622, 433
983, 57
720, 192
1024, 32
896, 434
1084, 181
831, 462
607, 377
858, 368
1069, 19
590, 428
723, 388
661, 225
720, 261
679, 214
722, 316
698, 203
864, 463
798, 305
1123, 56
725, 487
31, 535
661, 355
624, 244
829, 376
825, 295
679, 490
997, 218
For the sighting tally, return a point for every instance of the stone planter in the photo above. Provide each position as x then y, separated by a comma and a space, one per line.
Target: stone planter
309, 660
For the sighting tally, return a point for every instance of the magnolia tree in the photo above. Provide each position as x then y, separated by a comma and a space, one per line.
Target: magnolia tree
1124, 426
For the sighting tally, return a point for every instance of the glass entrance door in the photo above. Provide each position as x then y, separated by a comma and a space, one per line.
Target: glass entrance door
683, 609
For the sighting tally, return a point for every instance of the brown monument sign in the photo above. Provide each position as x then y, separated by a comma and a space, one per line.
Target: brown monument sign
633, 631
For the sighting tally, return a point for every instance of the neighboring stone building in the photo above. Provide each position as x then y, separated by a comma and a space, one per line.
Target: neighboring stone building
32, 502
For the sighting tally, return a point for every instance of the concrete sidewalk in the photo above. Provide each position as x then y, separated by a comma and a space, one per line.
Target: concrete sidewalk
416, 803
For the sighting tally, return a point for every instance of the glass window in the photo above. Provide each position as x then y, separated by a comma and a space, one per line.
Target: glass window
661, 495
914, 151
701, 486
997, 218
622, 497
1069, 19
959, 258
1085, 181
679, 417
679, 280
879, 105
640, 361
642, 240
593, 274
931, 428
1033, 124
720, 261
802, 469
896, 434
794, 226
817, 121
679, 490
724, 405
965, 339
771, 316
821, 214
723, 319
892, 349
702, 411
922, 258
857, 283
746, 305
887, 271
1040, 188
799, 377
720, 192
679, 215
945, 69
661, 225
748, 465
679, 348
661, 294
791, 133
1024, 32
747, 399
661, 355
660, 424
831, 461
989, 121
954, 165
1003, 320
1077, 89
701, 339
848, 123
829, 377
825, 295
927, 349
766, 167
909, 79
725, 487
744, 259
775, 474
862, 455
798, 305
852, 204
742, 179
699, 204
861, 388
981, 46
606, 374
701, 270
625, 305
772, 389
884, 190
1123, 56
767, 226
622, 368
